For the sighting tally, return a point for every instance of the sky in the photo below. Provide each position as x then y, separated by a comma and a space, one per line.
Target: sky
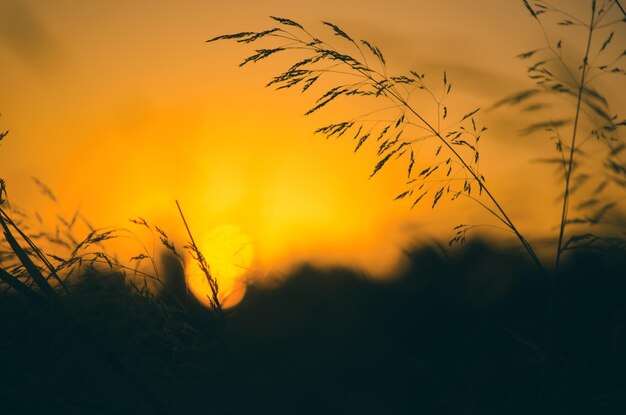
122, 108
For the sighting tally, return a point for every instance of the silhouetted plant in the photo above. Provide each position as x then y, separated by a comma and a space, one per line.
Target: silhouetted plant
202, 263
442, 152
590, 131
74, 255
30, 272
55, 281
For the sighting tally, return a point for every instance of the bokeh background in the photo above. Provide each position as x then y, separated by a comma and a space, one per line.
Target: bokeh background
121, 108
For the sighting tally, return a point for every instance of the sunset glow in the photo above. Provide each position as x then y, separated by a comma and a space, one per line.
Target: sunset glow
274, 206
230, 254
121, 122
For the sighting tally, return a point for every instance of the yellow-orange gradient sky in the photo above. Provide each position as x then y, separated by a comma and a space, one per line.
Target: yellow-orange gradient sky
121, 108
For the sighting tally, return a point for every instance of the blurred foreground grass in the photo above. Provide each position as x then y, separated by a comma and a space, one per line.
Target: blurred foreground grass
473, 330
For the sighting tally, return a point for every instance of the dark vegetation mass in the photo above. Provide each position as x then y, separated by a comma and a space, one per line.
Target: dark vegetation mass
471, 328
470, 333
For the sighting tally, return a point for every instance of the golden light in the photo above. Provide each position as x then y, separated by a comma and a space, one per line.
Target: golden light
229, 252
121, 122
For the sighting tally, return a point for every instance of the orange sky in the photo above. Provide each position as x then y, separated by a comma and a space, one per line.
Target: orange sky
122, 108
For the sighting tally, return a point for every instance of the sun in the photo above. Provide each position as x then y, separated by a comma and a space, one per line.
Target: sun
229, 253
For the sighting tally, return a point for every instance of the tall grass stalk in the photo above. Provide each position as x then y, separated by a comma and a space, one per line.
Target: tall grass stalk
575, 162
200, 259
51, 298
358, 69
570, 163
459, 140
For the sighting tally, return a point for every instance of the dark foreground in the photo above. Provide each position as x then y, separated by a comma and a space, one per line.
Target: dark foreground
476, 333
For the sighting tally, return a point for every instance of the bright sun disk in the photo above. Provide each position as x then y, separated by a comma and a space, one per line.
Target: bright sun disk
229, 253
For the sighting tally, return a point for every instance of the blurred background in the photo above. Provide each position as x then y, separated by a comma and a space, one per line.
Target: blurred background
121, 108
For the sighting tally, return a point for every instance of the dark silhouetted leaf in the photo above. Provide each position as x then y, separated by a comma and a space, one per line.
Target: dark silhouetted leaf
286, 22
338, 31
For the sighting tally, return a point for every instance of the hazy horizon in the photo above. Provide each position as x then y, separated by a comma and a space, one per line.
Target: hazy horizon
122, 109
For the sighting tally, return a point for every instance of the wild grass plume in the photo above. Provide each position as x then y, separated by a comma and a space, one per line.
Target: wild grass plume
586, 135
470, 330
442, 152
83, 287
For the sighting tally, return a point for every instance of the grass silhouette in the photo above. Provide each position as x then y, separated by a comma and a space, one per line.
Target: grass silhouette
358, 69
460, 331
75, 284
